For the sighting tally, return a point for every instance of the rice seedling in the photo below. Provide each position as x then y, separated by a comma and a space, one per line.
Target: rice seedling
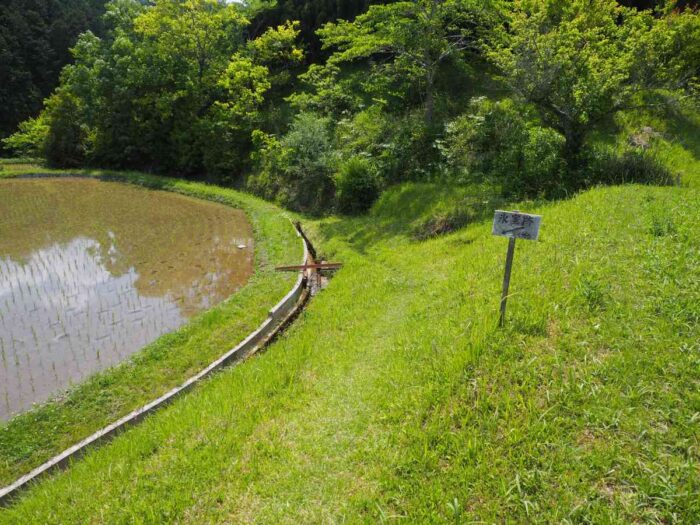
72, 259
128, 379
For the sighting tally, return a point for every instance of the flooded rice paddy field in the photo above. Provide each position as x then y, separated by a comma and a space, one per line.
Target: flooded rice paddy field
90, 272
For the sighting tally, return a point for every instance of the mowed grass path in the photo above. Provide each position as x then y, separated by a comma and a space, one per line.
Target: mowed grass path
33, 437
395, 396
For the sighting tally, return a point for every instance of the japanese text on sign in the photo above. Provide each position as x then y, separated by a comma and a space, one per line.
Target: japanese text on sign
517, 225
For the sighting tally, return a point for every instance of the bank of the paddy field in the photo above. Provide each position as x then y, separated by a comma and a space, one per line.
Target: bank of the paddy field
33, 437
395, 396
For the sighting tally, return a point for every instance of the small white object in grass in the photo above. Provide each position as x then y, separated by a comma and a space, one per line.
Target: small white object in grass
241, 246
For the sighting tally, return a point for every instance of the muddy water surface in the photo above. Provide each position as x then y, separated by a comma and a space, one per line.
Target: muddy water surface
91, 271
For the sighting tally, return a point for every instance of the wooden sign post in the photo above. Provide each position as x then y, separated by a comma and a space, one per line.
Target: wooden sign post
514, 225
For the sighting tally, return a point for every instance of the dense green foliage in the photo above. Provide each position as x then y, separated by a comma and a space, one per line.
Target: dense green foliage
502, 144
580, 62
311, 15
357, 185
516, 94
394, 395
172, 87
416, 38
35, 36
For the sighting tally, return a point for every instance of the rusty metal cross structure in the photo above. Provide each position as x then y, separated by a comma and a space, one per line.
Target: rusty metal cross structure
313, 267
310, 266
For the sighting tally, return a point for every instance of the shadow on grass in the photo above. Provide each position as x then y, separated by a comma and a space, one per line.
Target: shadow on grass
415, 211
685, 128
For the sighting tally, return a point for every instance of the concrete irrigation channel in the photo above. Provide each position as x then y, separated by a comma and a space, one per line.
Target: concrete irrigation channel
280, 316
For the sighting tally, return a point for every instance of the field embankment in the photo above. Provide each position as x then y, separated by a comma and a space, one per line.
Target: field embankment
31, 438
395, 396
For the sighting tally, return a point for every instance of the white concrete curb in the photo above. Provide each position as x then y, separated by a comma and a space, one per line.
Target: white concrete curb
274, 322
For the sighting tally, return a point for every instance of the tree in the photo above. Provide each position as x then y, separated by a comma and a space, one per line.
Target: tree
35, 37
411, 40
173, 86
579, 62
276, 49
194, 38
674, 51
297, 170
66, 139
311, 14
656, 4
30, 138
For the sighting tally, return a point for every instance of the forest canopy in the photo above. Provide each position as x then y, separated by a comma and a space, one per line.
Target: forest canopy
35, 39
321, 118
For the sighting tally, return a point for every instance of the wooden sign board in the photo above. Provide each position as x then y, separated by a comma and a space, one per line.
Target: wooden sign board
516, 225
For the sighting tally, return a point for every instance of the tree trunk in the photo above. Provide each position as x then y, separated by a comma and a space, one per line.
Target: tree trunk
429, 97
430, 71
574, 139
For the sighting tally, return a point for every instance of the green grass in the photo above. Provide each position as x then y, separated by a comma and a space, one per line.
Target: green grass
11, 163
395, 395
31, 438
677, 141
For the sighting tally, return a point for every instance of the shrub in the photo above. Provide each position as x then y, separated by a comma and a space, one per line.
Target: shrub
483, 143
500, 143
402, 148
357, 185
635, 165
410, 153
30, 138
363, 134
543, 167
268, 159
67, 141
297, 170
224, 148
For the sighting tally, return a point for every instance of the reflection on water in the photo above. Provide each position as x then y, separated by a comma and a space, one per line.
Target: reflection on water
90, 272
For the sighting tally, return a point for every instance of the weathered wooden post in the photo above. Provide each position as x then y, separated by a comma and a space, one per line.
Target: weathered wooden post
506, 279
514, 225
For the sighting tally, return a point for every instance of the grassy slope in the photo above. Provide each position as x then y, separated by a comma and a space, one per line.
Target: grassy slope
677, 145
394, 395
35, 436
